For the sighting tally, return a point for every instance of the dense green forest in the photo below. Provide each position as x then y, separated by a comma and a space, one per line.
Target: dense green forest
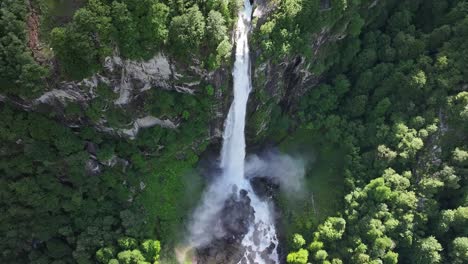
387, 120
395, 100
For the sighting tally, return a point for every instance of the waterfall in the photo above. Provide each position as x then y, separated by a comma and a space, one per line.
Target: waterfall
262, 233
260, 242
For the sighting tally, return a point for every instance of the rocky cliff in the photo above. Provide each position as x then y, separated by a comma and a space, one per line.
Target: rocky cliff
126, 82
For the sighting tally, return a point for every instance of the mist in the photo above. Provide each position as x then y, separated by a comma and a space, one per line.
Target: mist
205, 223
285, 170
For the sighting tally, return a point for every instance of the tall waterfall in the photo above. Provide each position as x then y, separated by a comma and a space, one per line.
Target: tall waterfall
262, 233
260, 242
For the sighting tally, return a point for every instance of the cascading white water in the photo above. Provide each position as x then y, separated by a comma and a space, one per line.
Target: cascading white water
260, 243
262, 234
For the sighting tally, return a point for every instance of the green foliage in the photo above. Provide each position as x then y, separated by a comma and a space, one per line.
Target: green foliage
332, 229
321, 255
298, 257
427, 251
140, 29
298, 241
130, 257
57, 248
216, 30
187, 31
151, 249
390, 258
130, 252
460, 156
104, 255
127, 243
63, 209
79, 211
459, 250
315, 246
223, 51
20, 74
399, 115
209, 90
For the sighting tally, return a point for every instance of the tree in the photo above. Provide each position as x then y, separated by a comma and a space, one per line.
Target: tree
390, 258
355, 25
151, 249
216, 30
127, 243
357, 106
19, 72
94, 21
460, 156
57, 248
386, 153
461, 220
459, 250
125, 29
152, 22
430, 186
418, 80
336, 261
447, 175
332, 229
187, 31
382, 244
298, 257
159, 14
104, 255
291, 7
321, 255
446, 220
298, 241
409, 143
223, 51
130, 257
427, 250
341, 84
75, 50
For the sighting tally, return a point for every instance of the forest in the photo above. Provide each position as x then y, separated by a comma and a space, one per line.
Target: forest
383, 108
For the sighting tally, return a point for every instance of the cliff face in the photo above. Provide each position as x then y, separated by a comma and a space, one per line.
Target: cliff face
282, 83
126, 82
289, 79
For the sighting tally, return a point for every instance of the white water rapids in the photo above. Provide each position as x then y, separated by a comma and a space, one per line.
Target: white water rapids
260, 242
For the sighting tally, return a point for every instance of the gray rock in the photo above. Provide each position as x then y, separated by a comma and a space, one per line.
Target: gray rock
236, 217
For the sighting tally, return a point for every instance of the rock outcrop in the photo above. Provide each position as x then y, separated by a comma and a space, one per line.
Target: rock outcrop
235, 218
129, 80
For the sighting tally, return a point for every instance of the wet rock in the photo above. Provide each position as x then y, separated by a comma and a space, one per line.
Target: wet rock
92, 167
264, 187
91, 148
236, 217
146, 122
